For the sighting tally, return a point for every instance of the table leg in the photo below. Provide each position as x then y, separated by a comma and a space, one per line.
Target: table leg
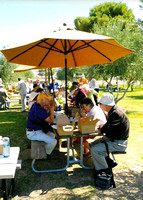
10, 195
81, 155
4, 189
54, 170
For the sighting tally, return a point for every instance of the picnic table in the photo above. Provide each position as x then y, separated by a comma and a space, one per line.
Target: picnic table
8, 168
68, 138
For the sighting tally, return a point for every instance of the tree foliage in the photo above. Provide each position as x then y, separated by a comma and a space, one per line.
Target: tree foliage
117, 21
102, 14
6, 72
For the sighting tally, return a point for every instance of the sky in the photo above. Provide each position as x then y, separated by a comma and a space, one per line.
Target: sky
24, 21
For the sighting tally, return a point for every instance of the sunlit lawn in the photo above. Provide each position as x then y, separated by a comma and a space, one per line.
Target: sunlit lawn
77, 183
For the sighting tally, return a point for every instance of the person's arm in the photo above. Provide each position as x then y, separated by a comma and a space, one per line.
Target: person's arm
95, 92
18, 86
111, 126
50, 119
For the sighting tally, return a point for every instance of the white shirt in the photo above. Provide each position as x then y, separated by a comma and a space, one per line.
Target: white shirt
98, 114
93, 84
22, 87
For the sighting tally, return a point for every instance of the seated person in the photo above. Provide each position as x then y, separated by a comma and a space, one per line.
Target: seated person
77, 95
88, 109
38, 119
116, 131
32, 99
4, 97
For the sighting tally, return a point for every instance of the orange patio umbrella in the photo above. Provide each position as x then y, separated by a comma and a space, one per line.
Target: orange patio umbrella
23, 68
67, 48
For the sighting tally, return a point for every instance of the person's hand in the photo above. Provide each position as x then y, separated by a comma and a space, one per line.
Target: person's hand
82, 113
52, 105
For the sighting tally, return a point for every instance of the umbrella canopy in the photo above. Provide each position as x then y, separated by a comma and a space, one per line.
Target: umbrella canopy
81, 48
67, 48
23, 68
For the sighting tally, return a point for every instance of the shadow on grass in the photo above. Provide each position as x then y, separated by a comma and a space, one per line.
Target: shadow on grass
75, 183
135, 97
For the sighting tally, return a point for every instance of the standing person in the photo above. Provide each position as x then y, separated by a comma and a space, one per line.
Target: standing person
23, 91
4, 97
27, 85
55, 84
39, 119
91, 93
116, 131
30, 86
37, 84
77, 95
94, 85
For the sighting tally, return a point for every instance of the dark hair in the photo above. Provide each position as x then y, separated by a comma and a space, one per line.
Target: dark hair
75, 83
39, 89
87, 101
19, 79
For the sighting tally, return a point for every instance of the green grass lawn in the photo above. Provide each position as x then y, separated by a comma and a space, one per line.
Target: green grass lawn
77, 183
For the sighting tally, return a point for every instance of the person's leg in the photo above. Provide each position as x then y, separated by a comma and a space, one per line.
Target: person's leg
1, 105
23, 102
8, 104
41, 136
98, 152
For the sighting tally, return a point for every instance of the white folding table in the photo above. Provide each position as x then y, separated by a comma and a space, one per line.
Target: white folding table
8, 168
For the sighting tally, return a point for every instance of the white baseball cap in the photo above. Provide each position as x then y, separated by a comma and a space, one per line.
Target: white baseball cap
33, 95
107, 99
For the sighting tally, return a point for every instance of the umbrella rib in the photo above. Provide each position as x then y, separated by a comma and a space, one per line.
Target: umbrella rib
48, 52
96, 49
79, 47
53, 47
24, 51
72, 51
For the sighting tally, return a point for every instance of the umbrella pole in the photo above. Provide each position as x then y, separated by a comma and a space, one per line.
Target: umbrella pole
52, 83
66, 105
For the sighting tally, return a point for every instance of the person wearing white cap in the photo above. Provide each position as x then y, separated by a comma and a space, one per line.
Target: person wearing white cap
116, 131
32, 99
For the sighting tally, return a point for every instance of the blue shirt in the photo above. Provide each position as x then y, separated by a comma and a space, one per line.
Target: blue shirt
56, 85
36, 117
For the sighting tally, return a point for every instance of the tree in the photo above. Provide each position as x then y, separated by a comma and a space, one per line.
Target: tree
115, 20
102, 14
70, 73
6, 72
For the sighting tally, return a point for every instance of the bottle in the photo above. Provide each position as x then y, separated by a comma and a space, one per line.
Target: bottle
6, 147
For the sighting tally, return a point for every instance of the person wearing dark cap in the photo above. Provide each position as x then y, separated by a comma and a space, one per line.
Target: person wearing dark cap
115, 131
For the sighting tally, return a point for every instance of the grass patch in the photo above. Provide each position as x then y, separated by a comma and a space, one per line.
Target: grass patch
76, 183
